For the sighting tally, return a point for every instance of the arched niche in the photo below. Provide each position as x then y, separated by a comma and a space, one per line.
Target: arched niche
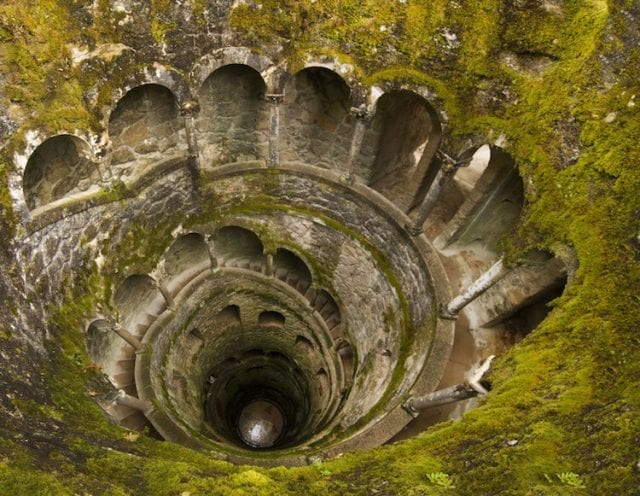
474, 162
271, 318
317, 123
100, 341
304, 345
111, 353
237, 246
491, 209
404, 132
229, 315
187, 252
291, 269
233, 122
467, 177
520, 301
145, 128
327, 306
59, 167
136, 296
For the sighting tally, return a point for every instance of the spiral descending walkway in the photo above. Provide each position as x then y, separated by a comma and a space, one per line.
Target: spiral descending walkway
326, 262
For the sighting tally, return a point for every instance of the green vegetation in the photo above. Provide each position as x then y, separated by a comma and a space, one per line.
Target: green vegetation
568, 393
7, 216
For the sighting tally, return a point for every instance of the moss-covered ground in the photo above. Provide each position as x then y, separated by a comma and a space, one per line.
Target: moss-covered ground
564, 415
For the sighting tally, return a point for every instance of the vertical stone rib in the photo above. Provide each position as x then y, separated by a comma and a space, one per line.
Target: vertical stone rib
275, 99
362, 117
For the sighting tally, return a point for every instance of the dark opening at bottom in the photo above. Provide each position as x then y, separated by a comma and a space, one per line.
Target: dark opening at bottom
261, 424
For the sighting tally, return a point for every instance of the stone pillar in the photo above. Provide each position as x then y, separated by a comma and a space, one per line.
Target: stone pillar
269, 270
211, 250
468, 389
188, 111
479, 286
275, 99
166, 295
362, 116
127, 336
444, 396
444, 175
133, 402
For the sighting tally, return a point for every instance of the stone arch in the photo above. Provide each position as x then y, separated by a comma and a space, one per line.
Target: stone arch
145, 128
471, 164
304, 344
237, 246
112, 354
209, 63
404, 132
466, 177
136, 298
519, 302
491, 208
290, 268
271, 318
318, 125
344, 70
100, 341
233, 122
188, 252
59, 167
326, 305
229, 315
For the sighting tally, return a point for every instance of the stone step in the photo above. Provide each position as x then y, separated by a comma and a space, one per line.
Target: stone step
124, 379
336, 332
303, 286
327, 310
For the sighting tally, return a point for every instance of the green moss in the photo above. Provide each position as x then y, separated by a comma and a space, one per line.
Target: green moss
38, 63
21, 481
565, 393
8, 220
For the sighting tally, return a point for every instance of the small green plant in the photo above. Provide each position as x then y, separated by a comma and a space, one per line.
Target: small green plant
569, 479
324, 472
440, 479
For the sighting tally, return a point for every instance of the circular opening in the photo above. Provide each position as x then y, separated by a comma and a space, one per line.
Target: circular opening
260, 402
261, 423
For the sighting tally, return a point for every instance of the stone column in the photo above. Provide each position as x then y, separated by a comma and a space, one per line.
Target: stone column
269, 270
275, 99
468, 389
444, 175
211, 250
127, 336
444, 396
133, 402
477, 287
188, 111
166, 295
362, 116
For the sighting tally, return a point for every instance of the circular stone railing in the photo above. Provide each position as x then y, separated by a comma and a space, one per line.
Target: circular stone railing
332, 387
